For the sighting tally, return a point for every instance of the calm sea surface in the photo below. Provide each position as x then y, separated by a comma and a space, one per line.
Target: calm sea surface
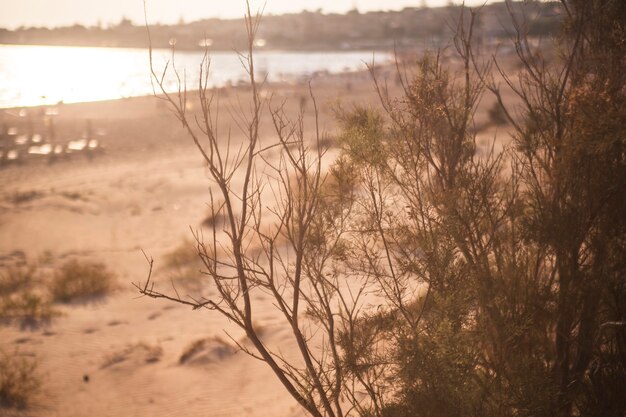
35, 75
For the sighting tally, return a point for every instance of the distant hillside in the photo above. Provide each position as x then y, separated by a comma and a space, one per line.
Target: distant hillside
408, 28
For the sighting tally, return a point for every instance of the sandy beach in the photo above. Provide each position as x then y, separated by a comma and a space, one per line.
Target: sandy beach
121, 354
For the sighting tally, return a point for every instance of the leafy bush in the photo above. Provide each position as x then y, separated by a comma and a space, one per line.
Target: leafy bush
19, 380
81, 279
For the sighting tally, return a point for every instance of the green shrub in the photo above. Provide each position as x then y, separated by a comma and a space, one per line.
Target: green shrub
81, 279
19, 380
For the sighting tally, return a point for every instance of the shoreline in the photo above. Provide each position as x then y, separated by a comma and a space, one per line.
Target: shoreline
322, 76
127, 127
385, 49
69, 85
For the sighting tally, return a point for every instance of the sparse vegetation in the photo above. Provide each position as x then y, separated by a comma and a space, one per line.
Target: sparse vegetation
73, 195
496, 114
139, 353
206, 350
22, 299
213, 221
442, 281
183, 266
182, 255
81, 280
19, 380
22, 197
16, 278
29, 309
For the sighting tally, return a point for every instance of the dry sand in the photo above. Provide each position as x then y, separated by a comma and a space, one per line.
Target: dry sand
142, 193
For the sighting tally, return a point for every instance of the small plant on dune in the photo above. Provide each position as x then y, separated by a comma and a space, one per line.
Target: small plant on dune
19, 299
139, 353
206, 350
81, 279
28, 308
214, 220
182, 256
25, 196
183, 266
19, 380
497, 117
14, 279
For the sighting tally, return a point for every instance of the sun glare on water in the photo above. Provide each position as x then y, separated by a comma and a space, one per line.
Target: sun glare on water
40, 75
32, 75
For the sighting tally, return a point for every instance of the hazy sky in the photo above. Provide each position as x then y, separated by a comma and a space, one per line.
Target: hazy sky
15, 13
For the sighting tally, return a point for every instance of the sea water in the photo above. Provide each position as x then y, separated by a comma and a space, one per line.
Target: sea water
41, 75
